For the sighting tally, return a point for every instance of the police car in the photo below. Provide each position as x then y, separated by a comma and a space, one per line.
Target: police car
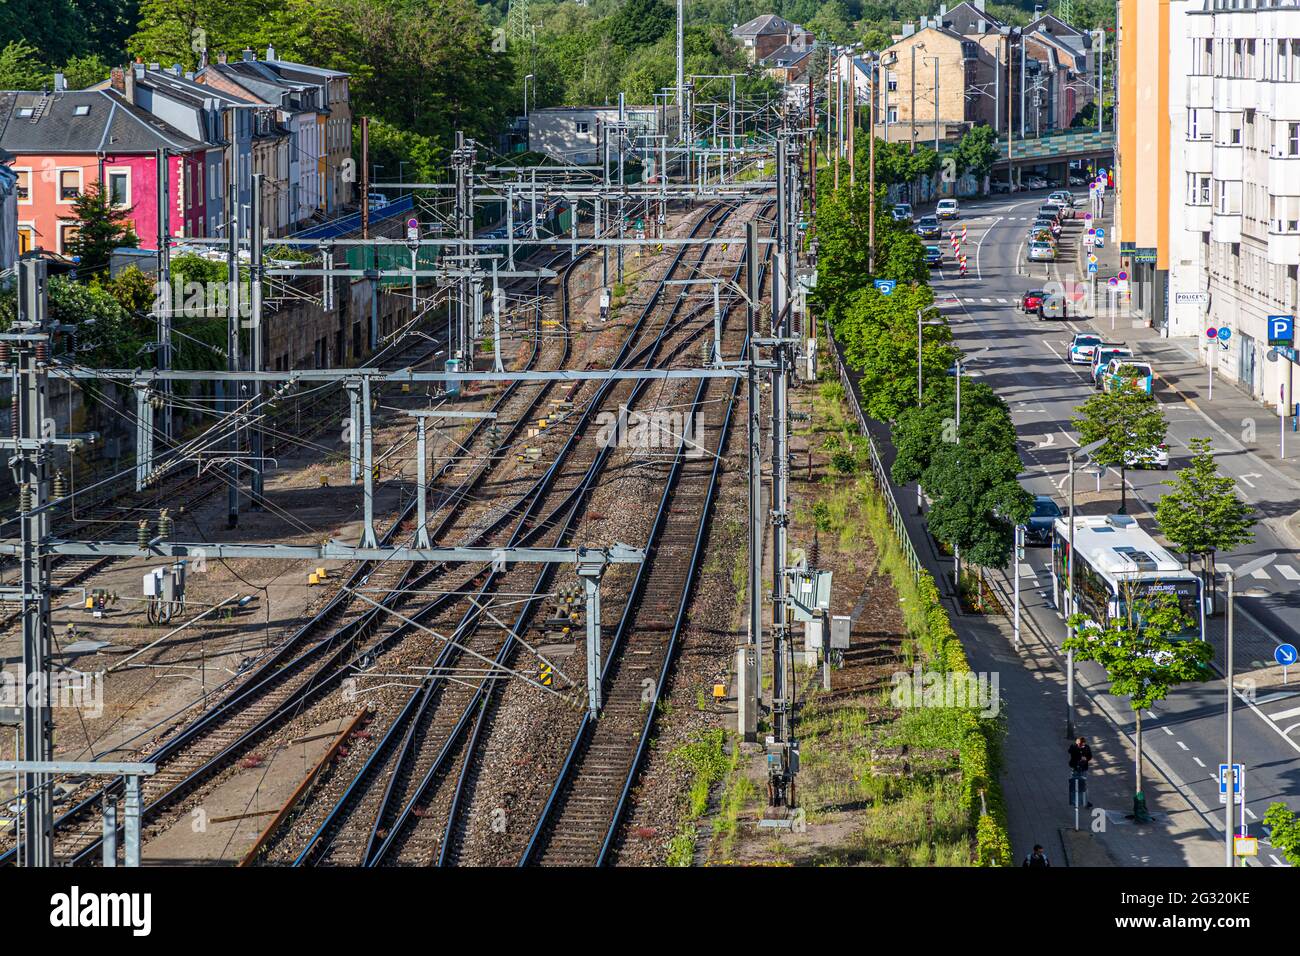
1083, 347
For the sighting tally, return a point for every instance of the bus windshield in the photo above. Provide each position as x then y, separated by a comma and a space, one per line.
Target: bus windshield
1188, 594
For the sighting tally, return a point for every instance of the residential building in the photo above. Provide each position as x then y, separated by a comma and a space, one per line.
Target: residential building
765, 35
788, 63
8, 212
64, 141
575, 134
336, 164
1234, 190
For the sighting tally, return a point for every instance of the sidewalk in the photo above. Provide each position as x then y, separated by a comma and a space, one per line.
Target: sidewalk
1035, 770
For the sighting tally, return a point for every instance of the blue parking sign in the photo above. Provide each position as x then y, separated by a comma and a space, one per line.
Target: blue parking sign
1281, 330
885, 286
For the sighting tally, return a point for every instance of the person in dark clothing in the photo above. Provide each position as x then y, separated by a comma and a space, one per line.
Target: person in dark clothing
1037, 859
1080, 758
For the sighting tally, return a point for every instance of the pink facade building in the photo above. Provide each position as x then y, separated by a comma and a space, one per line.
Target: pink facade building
64, 141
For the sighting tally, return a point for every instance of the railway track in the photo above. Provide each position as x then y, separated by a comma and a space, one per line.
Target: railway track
578, 822
420, 746
312, 660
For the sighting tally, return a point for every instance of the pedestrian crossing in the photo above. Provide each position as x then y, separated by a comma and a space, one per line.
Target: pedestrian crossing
1283, 709
1270, 573
955, 300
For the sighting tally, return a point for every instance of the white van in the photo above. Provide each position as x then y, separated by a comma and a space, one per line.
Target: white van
947, 209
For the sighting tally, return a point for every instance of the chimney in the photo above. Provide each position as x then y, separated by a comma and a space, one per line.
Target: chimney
176, 69
129, 91
248, 55
117, 79
60, 83
270, 53
221, 58
203, 59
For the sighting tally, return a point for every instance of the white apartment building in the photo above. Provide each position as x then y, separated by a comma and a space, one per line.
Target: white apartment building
1238, 235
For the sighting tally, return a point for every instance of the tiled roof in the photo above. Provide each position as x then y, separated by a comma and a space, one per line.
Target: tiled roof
83, 121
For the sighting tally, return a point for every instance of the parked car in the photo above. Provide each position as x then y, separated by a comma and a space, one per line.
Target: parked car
1042, 252
903, 212
933, 256
1078, 180
947, 209
1101, 357
1157, 456
377, 201
1062, 196
1042, 520
1030, 301
1081, 349
1123, 374
1049, 211
1000, 187
1051, 225
1036, 182
929, 228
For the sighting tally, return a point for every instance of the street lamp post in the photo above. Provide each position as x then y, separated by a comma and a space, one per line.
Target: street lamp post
911, 119
530, 76
920, 381
1249, 567
1067, 598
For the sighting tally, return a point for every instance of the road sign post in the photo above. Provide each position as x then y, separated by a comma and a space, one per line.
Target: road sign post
1285, 654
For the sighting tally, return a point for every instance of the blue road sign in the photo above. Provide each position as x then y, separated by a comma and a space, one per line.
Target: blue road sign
1225, 333
1101, 233
1281, 330
1238, 777
1285, 654
1092, 267
885, 286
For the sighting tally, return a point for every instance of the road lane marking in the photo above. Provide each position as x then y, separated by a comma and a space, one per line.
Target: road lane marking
1293, 712
1182, 745
1199, 762
1261, 575
1288, 572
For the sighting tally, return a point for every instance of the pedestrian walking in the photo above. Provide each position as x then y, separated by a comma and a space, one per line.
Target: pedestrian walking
1038, 858
1080, 758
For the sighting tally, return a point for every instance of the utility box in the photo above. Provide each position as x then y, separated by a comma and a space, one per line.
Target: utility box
841, 627
810, 593
812, 635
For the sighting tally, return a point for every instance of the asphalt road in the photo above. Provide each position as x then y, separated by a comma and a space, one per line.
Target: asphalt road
1026, 361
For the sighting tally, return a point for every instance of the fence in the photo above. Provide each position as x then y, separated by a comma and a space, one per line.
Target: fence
878, 468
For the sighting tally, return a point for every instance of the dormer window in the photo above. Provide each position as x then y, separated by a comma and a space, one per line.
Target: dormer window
25, 112
82, 110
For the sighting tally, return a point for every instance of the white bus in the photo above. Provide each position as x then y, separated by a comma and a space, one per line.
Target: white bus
1114, 558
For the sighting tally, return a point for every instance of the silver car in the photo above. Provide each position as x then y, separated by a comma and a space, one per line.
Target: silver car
1042, 252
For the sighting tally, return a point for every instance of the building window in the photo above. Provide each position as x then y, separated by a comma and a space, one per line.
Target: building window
1293, 139
119, 187
24, 187
26, 237
67, 233
69, 184
584, 127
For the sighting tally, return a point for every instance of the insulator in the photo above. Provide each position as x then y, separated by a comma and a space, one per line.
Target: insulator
42, 353
4, 353
142, 534
60, 485
164, 524
25, 499
706, 351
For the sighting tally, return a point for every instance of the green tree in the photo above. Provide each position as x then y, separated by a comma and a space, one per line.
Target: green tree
832, 21
641, 22
976, 151
879, 336
1284, 831
102, 227
1144, 654
85, 70
1202, 514
1131, 424
21, 67
177, 31
970, 473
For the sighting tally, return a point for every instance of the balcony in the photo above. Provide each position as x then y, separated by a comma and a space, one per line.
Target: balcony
1284, 175
1198, 155
1286, 101
1196, 218
1225, 227
1227, 163
1234, 94
1283, 248
1200, 92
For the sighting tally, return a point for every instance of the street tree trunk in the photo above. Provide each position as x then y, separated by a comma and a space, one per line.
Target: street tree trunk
1138, 737
1123, 496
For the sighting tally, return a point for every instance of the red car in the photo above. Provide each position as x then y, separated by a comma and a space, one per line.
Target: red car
1032, 300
